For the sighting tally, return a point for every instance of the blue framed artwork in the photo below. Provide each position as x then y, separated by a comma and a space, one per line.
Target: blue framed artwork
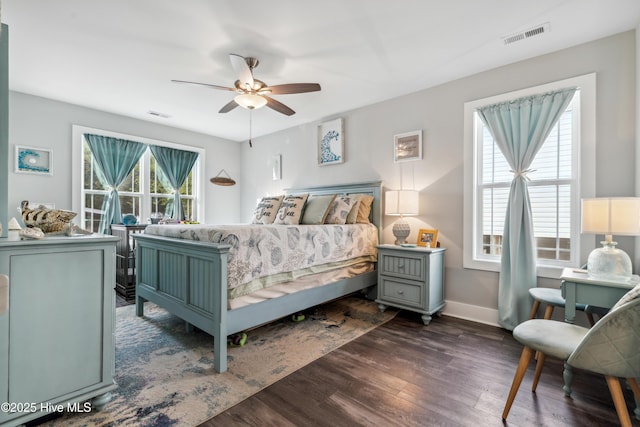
34, 160
331, 142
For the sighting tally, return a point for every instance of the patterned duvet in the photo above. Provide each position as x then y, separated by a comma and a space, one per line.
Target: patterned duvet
265, 255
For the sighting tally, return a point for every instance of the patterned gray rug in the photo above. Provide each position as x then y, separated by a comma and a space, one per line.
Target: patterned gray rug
165, 376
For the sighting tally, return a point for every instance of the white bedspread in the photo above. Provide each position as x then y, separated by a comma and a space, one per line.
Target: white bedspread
265, 255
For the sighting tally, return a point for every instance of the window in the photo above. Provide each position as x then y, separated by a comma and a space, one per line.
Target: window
555, 186
145, 192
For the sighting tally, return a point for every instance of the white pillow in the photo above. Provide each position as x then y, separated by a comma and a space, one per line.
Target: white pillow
266, 210
340, 210
291, 209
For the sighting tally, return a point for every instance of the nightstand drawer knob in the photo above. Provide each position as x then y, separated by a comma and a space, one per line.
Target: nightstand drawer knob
400, 292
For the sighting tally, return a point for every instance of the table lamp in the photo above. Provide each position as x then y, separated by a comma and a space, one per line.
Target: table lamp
401, 202
608, 216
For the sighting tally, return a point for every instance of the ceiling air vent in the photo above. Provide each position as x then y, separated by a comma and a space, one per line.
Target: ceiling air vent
531, 32
158, 114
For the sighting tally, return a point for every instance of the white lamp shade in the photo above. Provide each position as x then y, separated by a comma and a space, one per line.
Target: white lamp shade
611, 215
250, 101
401, 202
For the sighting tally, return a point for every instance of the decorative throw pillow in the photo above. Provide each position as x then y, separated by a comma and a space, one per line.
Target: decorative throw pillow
364, 209
316, 209
266, 210
291, 209
353, 213
340, 210
360, 212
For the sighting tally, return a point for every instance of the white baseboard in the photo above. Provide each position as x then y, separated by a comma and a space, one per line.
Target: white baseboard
474, 313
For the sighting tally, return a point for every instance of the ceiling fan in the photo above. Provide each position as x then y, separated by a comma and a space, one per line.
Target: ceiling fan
253, 93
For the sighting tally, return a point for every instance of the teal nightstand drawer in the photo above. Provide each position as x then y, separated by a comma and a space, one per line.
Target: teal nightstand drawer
405, 265
401, 292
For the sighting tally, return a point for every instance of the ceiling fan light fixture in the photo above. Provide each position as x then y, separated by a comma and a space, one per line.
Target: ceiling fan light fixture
250, 101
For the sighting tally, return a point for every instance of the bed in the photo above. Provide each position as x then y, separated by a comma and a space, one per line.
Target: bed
190, 278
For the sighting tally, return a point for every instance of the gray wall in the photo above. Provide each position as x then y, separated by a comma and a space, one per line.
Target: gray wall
439, 176
41, 122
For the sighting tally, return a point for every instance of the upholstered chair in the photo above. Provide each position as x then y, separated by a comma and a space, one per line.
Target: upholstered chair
611, 348
552, 298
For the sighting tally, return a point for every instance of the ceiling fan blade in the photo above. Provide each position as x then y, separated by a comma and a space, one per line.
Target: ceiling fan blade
279, 106
292, 88
228, 107
242, 70
205, 84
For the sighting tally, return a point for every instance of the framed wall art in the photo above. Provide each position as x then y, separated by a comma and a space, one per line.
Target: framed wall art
277, 167
34, 160
407, 146
331, 142
427, 238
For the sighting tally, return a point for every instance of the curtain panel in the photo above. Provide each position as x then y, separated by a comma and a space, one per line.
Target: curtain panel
115, 159
176, 165
520, 128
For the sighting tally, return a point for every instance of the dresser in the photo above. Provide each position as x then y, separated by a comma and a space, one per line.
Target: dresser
57, 347
411, 278
126, 258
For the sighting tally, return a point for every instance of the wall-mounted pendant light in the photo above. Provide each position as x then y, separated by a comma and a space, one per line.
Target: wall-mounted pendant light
222, 180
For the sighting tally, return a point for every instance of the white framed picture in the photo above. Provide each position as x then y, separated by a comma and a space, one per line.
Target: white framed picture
277, 167
407, 146
33, 160
331, 142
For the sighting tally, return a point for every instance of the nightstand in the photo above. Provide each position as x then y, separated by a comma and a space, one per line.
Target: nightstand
411, 278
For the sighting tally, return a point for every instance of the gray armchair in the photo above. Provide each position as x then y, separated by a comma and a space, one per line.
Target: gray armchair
610, 348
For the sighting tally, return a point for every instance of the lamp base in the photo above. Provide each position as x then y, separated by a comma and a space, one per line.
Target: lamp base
401, 231
609, 263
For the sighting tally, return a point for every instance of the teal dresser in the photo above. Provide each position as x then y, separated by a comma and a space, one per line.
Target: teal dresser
57, 346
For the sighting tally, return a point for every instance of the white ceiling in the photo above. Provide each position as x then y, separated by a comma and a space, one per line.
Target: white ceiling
120, 55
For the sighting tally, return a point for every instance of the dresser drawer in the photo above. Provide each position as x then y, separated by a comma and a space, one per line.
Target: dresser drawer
404, 265
401, 292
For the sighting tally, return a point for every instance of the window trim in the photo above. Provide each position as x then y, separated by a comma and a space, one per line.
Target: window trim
77, 178
586, 162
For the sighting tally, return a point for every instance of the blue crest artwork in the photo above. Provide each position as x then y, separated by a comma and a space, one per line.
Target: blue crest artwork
33, 160
326, 155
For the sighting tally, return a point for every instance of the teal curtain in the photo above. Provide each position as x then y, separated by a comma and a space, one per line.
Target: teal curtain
176, 165
519, 128
115, 159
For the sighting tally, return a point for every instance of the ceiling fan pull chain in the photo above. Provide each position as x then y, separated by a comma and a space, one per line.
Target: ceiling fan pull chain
250, 125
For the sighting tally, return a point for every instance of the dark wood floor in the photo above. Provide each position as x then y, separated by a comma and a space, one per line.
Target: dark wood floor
450, 373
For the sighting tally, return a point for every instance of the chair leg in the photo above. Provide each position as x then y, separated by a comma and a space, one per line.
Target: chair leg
525, 358
534, 309
618, 400
635, 387
636, 393
539, 365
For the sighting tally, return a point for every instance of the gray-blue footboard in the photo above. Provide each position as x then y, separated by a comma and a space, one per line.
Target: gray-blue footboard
189, 279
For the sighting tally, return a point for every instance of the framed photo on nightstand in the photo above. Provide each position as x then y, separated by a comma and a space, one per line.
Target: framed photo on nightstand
427, 238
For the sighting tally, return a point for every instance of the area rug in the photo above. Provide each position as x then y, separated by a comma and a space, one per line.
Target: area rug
165, 375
